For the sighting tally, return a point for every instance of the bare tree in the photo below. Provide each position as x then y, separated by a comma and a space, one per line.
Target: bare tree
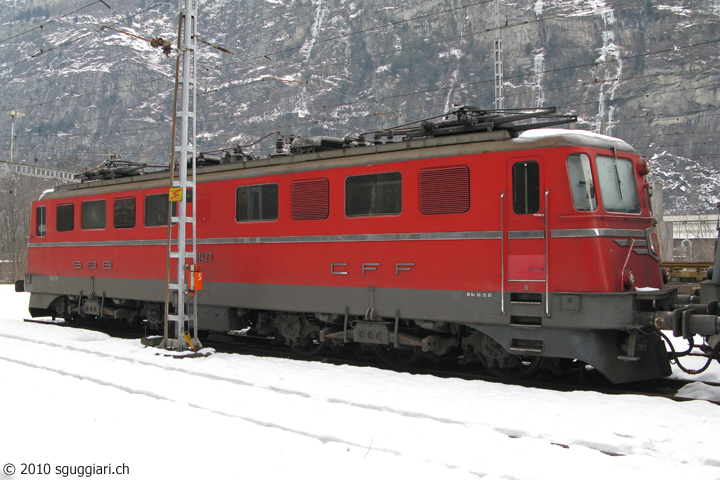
16, 196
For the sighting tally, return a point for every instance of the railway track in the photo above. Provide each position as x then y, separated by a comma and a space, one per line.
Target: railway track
104, 369
588, 381
302, 399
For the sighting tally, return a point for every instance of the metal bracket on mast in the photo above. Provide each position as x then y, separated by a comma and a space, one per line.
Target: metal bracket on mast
181, 303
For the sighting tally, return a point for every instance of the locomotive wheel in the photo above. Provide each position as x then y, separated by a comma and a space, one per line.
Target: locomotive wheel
522, 367
312, 347
506, 365
398, 357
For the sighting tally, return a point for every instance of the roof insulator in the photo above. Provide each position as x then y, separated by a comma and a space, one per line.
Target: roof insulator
468, 120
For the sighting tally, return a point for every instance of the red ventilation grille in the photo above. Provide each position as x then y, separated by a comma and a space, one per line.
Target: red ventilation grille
310, 199
444, 190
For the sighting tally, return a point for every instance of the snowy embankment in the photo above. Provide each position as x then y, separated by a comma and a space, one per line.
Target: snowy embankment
73, 398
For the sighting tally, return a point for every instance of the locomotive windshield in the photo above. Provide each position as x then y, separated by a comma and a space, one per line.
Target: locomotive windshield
618, 186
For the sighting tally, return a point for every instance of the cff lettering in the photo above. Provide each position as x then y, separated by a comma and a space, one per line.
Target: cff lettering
367, 268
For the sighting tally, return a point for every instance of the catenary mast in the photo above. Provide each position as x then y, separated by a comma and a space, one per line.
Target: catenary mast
181, 305
499, 100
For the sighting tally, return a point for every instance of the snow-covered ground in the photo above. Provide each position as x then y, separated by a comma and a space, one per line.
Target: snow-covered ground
73, 402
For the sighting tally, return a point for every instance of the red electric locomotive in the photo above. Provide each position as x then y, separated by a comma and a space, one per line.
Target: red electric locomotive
481, 236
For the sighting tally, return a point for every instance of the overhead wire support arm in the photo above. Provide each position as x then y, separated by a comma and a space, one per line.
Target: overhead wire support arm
222, 49
124, 33
154, 42
284, 80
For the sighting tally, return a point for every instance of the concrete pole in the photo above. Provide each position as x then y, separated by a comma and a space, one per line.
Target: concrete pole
13, 114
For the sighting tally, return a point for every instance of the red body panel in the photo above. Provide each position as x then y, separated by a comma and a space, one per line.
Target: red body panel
304, 253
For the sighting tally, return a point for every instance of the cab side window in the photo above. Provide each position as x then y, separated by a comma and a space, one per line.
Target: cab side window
40, 221
526, 187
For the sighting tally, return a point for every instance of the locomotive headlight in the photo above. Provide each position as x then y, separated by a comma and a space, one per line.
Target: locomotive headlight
628, 279
642, 165
665, 274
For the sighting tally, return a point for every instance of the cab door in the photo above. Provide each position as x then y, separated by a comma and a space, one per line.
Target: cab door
526, 260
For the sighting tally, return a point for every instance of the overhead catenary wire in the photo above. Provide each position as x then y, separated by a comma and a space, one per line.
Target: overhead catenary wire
586, 65
434, 42
267, 55
417, 93
422, 108
73, 40
715, 85
597, 63
39, 27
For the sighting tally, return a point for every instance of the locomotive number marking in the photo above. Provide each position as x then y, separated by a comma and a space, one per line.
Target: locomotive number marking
479, 294
205, 256
93, 265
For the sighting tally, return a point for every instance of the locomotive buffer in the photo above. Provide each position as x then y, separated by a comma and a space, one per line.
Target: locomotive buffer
180, 332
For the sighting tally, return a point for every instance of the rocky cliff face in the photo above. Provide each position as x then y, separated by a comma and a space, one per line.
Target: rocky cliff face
644, 71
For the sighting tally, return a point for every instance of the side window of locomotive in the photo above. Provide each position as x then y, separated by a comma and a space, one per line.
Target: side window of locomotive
124, 212
526, 187
40, 221
373, 195
581, 182
65, 217
444, 190
310, 199
256, 203
156, 210
93, 215
618, 186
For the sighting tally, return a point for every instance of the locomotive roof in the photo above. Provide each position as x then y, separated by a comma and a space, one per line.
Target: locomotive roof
415, 149
568, 137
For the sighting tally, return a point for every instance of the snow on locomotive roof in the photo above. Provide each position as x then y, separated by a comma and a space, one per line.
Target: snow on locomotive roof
407, 150
552, 136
